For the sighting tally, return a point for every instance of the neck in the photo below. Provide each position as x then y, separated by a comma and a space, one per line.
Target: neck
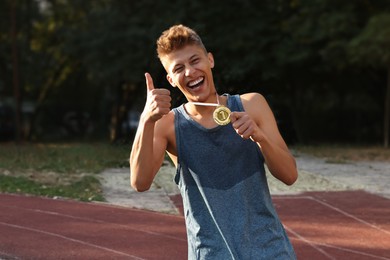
200, 108
212, 104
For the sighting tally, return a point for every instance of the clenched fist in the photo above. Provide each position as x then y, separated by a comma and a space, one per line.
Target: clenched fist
245, 126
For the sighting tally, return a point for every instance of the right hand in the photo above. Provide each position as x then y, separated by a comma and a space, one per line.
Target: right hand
158, 102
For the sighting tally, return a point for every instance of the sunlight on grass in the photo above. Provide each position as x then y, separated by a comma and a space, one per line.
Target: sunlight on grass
87, 189
59, 170
63, 158
343, 154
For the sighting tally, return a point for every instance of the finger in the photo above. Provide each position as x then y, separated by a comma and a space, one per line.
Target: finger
234, 116
237, 118
247, 133
162, 92
243, 128
149, 82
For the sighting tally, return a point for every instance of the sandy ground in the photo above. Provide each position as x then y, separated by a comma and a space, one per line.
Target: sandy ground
315, 174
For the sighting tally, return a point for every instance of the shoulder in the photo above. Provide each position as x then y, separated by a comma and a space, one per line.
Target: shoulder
252, 99
165, 123
256, 106
165, 131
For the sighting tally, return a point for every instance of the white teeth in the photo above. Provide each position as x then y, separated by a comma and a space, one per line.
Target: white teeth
193, 83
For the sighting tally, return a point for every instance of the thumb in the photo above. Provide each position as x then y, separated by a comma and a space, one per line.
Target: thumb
233, 117
149, 82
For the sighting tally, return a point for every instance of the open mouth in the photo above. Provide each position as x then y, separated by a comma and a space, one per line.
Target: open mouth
195, 83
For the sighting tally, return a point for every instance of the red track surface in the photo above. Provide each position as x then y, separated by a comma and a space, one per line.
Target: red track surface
333, 225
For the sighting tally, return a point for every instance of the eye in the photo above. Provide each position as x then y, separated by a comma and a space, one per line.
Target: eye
178, 69
196, 60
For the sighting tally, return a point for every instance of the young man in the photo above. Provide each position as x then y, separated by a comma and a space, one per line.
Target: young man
220, 164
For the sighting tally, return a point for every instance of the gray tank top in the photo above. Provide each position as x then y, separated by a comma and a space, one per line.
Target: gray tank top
227, 205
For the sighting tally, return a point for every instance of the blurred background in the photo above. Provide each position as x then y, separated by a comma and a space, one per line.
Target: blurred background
73, 70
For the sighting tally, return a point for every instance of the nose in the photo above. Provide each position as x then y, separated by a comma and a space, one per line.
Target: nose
189, 70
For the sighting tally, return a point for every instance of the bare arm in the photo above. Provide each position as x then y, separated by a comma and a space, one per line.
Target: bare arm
258, 123
150, 143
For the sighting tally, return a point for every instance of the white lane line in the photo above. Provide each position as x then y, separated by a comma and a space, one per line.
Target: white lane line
310, 243
338, 210
70, 239
92, 204
317, 245
353, 251
98, 221
351, 216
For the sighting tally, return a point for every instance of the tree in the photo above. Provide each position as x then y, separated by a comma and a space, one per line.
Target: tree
372, 48
91, 56
309, 71
15, 71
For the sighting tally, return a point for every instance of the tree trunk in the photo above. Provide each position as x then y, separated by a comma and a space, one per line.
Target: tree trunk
119, 111
49, 84
386, 118
15, 72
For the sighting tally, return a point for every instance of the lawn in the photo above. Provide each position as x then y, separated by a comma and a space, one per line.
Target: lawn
343, 153
71, 169
58, 170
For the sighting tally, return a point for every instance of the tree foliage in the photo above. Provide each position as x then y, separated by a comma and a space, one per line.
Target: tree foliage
316, 61
372, 48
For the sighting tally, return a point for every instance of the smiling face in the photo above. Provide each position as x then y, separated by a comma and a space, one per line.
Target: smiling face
189, 69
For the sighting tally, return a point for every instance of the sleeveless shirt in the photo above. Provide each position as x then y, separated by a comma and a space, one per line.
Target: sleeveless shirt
227, 204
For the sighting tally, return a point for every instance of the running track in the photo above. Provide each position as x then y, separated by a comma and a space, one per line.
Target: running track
331, 225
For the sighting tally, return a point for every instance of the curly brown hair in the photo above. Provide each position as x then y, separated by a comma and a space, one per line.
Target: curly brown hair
175, 38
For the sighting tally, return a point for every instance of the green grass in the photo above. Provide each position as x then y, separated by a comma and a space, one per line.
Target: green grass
86, 189
29, 168
63, 158
344, 153
26, 168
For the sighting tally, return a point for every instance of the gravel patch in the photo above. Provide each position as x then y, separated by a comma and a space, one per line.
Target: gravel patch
117, 190
315, 174
373, 177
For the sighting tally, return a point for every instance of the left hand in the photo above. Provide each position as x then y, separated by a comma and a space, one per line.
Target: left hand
246, 127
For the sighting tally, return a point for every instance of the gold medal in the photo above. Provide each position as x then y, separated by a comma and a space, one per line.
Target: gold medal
221, 115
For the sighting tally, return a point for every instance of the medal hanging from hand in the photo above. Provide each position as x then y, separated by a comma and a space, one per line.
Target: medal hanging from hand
221, 114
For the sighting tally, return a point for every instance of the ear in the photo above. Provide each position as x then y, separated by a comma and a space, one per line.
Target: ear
170, 80
211, 59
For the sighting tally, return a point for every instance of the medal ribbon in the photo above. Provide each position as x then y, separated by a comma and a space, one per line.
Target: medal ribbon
207, 104
221, 113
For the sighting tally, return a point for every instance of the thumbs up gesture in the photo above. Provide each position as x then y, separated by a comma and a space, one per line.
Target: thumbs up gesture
158, 101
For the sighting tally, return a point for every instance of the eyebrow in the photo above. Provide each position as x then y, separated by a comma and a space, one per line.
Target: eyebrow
179, 64
194, 56
176, 65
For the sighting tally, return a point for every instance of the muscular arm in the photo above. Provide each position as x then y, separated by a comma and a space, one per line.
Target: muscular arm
258, 123
150, 141
146, 157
